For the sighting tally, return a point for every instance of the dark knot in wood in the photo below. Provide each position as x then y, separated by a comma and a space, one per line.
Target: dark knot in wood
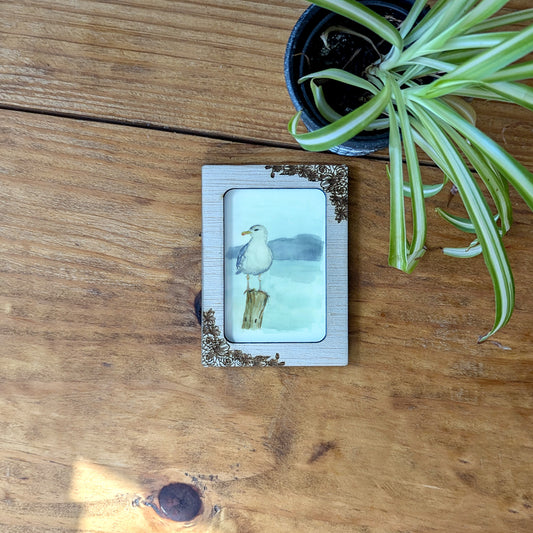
180, 502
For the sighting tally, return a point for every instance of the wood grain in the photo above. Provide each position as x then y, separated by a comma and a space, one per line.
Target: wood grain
213, 68
103, 398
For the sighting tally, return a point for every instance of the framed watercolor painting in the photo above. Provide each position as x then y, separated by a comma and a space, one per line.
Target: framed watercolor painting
275, 284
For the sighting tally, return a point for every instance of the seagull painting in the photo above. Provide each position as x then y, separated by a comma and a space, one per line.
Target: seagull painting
255, 257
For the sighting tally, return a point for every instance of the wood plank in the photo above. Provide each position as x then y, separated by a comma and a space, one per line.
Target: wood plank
103, 398
207, 67
187, 65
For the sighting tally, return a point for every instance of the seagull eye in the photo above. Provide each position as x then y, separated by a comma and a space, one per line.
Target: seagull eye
256, 229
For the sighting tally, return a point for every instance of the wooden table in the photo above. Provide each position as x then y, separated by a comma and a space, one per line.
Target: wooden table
108, 110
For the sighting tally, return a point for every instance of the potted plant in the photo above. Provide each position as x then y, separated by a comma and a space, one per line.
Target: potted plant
322, 39
425, 65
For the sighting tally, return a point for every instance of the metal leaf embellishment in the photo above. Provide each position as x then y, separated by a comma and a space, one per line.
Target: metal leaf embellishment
332, 178
217, 352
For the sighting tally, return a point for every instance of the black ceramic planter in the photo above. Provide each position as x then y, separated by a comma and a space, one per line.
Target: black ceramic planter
301, 43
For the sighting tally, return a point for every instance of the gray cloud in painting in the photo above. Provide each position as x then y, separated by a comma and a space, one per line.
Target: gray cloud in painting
303, 247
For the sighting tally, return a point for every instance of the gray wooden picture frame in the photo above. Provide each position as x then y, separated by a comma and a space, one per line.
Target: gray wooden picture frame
217, 350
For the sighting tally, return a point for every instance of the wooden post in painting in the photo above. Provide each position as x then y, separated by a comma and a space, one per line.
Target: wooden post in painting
255, 306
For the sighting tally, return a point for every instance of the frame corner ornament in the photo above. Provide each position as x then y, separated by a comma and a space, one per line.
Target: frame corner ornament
216, 350
332, 178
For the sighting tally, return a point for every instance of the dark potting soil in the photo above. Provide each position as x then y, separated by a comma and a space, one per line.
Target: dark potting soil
347, 52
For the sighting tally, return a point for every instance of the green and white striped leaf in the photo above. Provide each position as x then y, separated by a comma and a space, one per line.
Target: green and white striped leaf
397, 232
416, 249
516, 93
477, 40
440, 17
342, 129
456, 18
338, 74
524, 15
463, 224
487, 62
322, 106
427, 190
515, 72
462, 107
412, 16
363, 15
464, 253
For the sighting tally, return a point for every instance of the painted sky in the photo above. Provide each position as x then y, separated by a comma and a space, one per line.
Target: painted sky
284, 212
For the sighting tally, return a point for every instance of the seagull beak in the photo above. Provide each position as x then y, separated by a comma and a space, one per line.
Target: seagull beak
247, 232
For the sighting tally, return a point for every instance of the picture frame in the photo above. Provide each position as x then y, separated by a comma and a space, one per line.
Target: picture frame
274, 265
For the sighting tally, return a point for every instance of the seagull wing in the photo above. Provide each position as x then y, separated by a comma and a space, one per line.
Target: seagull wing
240, 258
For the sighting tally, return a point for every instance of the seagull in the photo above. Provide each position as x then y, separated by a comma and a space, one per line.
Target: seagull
255, 257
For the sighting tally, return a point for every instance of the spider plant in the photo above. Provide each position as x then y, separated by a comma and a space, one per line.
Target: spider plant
456, 50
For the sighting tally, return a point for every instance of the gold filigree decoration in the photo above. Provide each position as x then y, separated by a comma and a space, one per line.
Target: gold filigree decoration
216, 350
332, 178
